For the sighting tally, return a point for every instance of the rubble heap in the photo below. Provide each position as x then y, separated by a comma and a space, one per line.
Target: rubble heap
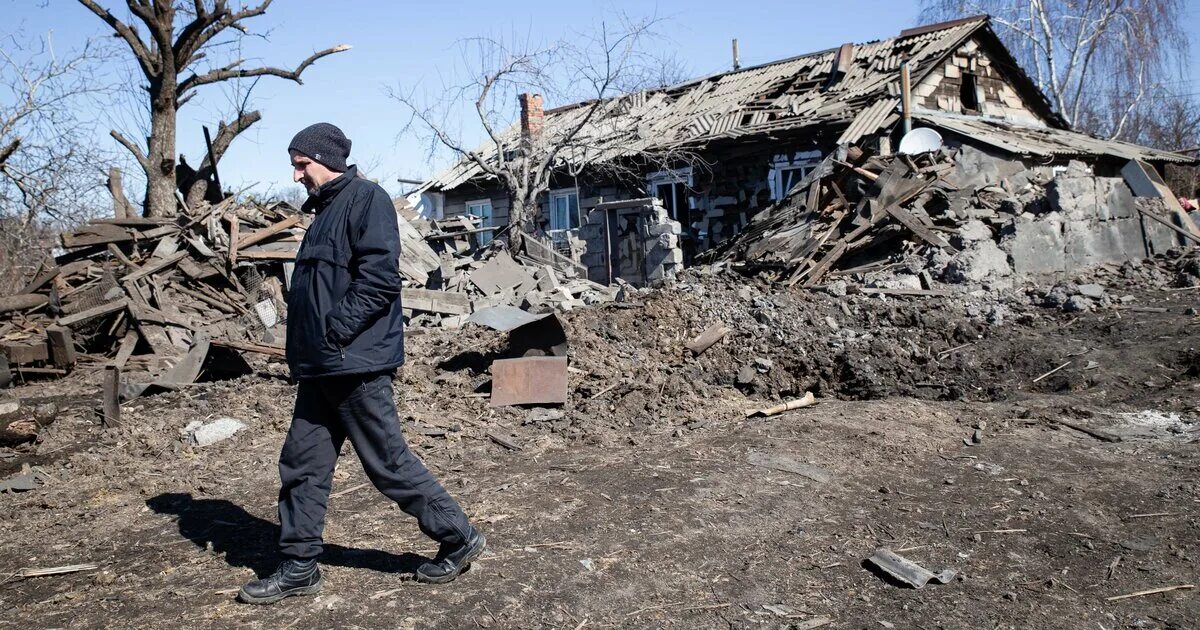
453, 268
901, 223
153, 295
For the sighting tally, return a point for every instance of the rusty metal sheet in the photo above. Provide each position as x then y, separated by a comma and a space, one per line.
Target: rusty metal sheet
529, 380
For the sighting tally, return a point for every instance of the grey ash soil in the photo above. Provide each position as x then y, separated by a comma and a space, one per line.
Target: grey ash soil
637, 504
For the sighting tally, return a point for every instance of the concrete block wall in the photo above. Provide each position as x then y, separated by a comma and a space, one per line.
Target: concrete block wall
636, 240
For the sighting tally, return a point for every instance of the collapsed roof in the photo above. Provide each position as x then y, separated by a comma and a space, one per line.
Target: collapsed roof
854, 89
821, 88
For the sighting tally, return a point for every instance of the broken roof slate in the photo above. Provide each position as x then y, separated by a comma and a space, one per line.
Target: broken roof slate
783, 95
1024, 139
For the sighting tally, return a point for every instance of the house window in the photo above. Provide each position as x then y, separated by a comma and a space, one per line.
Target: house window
564, 209
968, 92
671, 188
790, 175
482, 210
787, 170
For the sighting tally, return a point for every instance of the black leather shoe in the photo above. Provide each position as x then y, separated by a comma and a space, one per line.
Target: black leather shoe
293, 577
452, 560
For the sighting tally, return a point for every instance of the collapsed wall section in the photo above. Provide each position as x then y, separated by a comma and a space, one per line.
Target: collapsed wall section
635, 241
1061, 219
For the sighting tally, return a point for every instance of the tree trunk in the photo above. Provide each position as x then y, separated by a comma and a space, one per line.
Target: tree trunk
160, 167
121, 206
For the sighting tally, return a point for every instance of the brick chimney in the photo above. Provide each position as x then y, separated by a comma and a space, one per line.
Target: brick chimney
532, 115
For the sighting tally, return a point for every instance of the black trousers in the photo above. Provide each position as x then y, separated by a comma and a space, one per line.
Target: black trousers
360, 406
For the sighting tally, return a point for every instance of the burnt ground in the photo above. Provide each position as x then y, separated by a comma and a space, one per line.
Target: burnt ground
645, 502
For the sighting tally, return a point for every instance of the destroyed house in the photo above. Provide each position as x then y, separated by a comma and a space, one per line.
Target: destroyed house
744, 138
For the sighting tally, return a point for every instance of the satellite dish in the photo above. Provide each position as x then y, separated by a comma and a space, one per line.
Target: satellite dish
921, 140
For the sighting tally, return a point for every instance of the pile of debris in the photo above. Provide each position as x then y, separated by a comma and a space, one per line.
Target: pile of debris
153, 298
902, 223
152, 295
454, 267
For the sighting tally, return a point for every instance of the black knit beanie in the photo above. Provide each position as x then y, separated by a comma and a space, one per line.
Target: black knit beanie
324, 143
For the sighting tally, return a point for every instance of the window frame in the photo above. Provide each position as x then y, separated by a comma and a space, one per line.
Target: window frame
670, 177
560, 193
785, 162
484, 221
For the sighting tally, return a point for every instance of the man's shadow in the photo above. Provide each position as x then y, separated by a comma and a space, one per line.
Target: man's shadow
248, 541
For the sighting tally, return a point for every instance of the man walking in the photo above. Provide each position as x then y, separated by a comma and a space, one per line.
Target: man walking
345, 338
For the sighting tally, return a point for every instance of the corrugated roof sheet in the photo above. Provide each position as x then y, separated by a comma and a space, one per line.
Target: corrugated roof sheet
783, 95
1041, 141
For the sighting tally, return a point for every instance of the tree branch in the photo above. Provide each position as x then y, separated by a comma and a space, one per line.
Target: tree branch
138, 154
226, 134
224, 19
140, 51
231, 72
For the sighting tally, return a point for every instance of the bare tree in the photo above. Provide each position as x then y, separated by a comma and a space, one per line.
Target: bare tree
605, 72
1101, 62
181, 36
50, 175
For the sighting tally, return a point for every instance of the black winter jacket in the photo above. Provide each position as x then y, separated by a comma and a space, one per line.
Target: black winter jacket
344, 314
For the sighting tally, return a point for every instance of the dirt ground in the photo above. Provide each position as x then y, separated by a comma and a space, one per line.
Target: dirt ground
651, 500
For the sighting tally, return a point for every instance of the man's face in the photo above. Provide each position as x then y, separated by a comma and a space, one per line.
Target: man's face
309, 173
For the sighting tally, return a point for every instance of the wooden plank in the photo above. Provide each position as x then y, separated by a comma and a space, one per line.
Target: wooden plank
111, 392
1182, 232
159, 232
42, 279
188, 368
826, 262
137, 222
128, 343
268, 255
75, 240
95, 311
234, 226
156, 266
264, 234
436, 301
245, 346
62, 346
909, 221
120, 255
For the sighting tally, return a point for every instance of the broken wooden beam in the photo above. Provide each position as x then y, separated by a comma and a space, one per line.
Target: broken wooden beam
248, 346
267, 255
22, 302
914, 225
156, 267
94, 312
264, 234
110, 393
62, 346
707, 338
42, 279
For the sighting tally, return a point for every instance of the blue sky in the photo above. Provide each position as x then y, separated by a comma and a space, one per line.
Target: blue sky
414, 43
